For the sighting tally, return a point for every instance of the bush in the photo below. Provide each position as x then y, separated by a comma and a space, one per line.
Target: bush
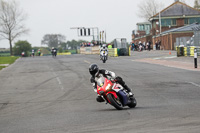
22, 46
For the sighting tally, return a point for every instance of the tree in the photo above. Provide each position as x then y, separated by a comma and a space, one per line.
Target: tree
60, 50
11, 21
197, 4
22, 46
73, 43
53, 40
148, 8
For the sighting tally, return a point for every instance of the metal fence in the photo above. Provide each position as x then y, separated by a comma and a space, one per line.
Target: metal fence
122, 47
197, 38
183, 41
120, 43
189, 41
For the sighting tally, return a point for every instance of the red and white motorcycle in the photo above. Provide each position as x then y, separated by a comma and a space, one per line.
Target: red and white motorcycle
114, 94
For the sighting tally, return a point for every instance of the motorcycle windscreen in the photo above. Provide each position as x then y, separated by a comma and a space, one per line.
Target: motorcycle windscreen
100, 81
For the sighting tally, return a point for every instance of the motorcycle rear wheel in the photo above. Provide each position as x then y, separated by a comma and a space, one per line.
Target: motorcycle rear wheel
115, 102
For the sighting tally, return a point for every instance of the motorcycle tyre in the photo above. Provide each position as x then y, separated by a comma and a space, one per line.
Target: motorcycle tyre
113, 102
104, 59
133, 103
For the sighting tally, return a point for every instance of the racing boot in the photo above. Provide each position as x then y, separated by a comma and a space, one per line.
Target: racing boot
100, 99
128, 90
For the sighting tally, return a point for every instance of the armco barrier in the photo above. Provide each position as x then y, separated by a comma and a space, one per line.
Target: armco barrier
113, 52
68, 53
89, 50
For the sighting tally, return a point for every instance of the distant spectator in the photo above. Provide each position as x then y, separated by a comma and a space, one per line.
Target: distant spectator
159, 44
23, 53
33, 52
109, 46
144, 45
39, 52
156, 45
149, 45
140, 46
133, 46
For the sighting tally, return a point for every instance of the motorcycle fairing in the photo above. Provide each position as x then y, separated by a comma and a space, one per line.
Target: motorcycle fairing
123, 97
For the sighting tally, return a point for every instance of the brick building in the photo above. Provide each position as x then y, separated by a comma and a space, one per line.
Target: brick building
174, 16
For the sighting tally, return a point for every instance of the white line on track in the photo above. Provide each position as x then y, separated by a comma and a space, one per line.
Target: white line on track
58, 79
194, 84
87, 61
167, 57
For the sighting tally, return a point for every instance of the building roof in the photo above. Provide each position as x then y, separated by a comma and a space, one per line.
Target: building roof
186, 28
143, 23
177, 9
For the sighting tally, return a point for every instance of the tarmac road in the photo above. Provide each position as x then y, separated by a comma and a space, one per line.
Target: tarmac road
54, 95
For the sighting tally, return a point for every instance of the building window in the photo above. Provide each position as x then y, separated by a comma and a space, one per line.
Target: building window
174, 22
141, 28
186, 21
168, 22
194, 20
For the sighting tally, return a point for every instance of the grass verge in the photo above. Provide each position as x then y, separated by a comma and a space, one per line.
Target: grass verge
1, 67
7, 60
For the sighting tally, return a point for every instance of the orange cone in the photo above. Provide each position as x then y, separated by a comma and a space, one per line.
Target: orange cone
170, 52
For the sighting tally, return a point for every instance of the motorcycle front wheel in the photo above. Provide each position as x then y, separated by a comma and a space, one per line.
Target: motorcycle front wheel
133, 103
115, 102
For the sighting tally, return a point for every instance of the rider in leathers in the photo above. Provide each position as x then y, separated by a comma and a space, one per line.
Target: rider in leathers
96, 73
103, 48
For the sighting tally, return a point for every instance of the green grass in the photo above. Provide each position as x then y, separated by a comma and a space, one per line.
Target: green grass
1, 67
8, 60
73, 51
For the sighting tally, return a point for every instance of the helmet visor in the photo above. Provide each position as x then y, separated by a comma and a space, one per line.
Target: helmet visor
93, 72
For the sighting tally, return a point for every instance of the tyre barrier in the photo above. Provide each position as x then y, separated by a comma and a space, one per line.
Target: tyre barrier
187, 51
112, 52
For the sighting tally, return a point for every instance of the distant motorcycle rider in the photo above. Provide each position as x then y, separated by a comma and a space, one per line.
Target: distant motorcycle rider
53, 51
102, 49
96, 73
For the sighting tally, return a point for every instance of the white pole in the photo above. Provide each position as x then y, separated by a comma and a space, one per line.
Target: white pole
160, 22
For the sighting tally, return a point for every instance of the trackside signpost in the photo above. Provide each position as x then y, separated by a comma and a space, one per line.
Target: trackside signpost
195, 58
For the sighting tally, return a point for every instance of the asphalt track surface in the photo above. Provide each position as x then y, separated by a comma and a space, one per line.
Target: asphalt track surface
54, 95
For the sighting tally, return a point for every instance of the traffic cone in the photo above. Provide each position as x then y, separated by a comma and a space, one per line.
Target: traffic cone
170, 52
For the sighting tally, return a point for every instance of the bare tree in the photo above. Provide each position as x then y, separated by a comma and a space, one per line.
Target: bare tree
148, 8
197, 4
11, 21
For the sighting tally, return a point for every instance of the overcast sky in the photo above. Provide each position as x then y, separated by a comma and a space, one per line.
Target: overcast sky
117, 17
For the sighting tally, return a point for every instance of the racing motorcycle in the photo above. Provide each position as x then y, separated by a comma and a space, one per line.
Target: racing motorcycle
104, 55
114, 94
54, 53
